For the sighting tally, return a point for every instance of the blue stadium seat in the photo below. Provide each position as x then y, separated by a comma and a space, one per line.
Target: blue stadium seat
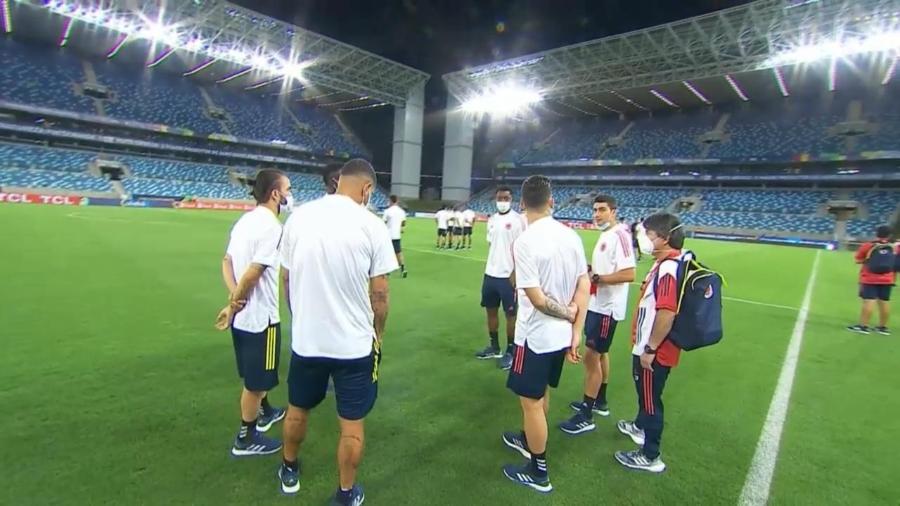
32, 178
38, 157
40, 76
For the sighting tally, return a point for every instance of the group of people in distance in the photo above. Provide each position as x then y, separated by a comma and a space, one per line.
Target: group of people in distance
454, 227
561, 299
335, 257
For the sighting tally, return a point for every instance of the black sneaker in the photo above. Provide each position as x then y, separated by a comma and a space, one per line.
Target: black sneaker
601, 409
515, 441
505, 362
524, 475
289, 478
357, 497
404, 274
859, 329
578, 424
488, 353
883, 331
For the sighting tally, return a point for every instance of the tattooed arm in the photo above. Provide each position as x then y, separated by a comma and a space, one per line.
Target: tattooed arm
551, 307
379, 296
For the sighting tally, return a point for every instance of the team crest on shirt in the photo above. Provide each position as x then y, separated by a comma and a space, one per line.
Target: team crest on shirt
708, 293
509, 226
602, 246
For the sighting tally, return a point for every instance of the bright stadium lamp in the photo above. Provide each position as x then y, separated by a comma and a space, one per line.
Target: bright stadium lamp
505, 100
875, 42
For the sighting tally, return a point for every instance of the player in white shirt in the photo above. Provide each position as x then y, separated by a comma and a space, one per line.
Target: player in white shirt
395, 219
452, 225
612, 266
498, 287
553, 283
468, 221
443, 218
458, 219
336, 257
250, 271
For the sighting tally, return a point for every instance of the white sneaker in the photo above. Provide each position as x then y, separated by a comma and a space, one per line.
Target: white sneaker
628, 428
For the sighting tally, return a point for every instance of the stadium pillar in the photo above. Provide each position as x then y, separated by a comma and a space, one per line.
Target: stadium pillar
458, 140
406, 162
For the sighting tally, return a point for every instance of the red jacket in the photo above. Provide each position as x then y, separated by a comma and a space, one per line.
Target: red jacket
866, 277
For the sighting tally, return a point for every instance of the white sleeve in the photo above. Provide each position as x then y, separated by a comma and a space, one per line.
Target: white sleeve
266, 251
490, 228
287, 246
624, 256
384, 260
527, 274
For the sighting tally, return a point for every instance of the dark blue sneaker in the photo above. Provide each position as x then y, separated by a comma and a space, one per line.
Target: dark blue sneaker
265, 421
523, 475
515, 441
488, 353
289, 478
257, 444
578, 424
357, 497
505, 362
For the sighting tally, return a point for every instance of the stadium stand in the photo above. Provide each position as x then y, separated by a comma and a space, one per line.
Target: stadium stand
172, 169
37, 77
34, 178
37, 157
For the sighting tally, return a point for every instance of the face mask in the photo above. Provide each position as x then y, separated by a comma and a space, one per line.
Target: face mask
503, 207
604, 226
287, 204
645, 244
366, 198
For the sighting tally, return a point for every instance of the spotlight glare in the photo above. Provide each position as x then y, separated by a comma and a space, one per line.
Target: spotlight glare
876, 42
506, 100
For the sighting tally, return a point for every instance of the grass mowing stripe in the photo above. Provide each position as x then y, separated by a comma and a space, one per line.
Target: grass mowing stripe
482, 260
762, 468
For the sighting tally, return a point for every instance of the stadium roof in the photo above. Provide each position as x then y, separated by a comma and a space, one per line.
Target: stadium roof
728, 55
252, 43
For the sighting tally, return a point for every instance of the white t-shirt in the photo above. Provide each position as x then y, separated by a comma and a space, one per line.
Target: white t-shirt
549, 256
442, 216
394, 217
332, 247
468, 217
254, 240
502, 232
612, 253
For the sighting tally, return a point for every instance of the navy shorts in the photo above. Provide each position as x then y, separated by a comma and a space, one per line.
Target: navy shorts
467, 230
355, 383
457, 230
875, 292
598, 331
532, 373
497, 291
258, 355
442, 232
396, 243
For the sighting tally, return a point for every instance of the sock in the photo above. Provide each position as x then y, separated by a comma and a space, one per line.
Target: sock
587, 407
510, 342
291, 465
539, 463
601, 396
264, 404
247, 430
402, 268
343, 496
495, 340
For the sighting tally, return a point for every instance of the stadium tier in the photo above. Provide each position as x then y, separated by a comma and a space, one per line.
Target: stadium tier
36, 157
33, 178
172, 169
752, 210
785, 130
49, 77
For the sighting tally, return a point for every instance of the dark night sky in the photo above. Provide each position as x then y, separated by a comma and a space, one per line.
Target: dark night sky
445, 35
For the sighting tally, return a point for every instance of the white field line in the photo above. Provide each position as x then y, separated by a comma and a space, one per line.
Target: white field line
482, 260
762, 468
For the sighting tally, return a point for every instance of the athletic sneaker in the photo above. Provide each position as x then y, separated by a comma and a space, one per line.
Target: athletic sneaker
505, 362
861, 329
598, 409
883, 331
257, 444
630, 429
524, 475
357, 497
516, 441
635, 459
289, 478
488, 353
265, 421
578, 424
405, 273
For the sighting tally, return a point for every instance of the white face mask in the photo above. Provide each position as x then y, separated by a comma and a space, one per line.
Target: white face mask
604, 226
287, 204
645, 244
503, 207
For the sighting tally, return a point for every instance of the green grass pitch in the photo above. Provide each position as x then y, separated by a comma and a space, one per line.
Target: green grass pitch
117, 389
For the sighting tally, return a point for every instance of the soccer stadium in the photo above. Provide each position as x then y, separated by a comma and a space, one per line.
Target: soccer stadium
137, 137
